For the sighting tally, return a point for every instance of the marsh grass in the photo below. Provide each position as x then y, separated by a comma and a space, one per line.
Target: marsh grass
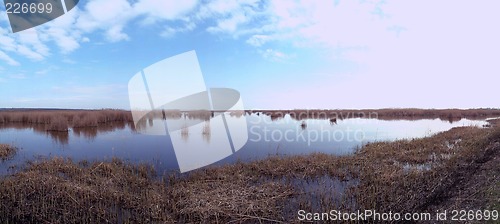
61, 191
7, 151
385, 176
62, 120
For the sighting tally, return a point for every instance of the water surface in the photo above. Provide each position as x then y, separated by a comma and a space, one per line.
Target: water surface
266, 136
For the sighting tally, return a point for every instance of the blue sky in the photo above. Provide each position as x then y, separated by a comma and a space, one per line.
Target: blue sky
278, 54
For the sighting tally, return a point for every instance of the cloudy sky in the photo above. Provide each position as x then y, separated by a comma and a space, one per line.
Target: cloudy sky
278, 54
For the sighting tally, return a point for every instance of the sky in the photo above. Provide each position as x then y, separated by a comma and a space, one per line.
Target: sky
305, 54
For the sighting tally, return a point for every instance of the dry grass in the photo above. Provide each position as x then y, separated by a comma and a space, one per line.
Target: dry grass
60, 191
404, 176
413, 175
7, 151
494, 122
62, 120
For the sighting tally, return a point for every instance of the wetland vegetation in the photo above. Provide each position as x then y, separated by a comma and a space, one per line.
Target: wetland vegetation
456, 169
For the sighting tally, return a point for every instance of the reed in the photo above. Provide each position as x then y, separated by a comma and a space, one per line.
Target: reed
62, 120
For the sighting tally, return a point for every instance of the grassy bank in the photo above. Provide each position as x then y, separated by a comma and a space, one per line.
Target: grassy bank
457, 169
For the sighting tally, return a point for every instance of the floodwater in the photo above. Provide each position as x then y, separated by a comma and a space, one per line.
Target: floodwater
266, 136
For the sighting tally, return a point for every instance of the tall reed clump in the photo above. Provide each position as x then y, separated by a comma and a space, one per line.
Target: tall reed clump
62, 120
7, 151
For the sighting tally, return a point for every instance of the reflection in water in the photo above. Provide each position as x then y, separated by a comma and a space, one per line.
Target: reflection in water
237, 113
303, 125
333, 121
175, 118
185, 133
265, 135
91, 133
204, 115
62, 137
206, 131
177, 114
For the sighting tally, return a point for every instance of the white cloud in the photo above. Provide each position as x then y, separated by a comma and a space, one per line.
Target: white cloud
65, 42
61, 31
259, 40
32, 40
29, 53
445, 56
171, 31
275, 55
8, 59
107, 15
115, 34
7, 42
27, 44
229, 25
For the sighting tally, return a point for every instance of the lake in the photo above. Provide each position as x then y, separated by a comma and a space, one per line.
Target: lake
266, 136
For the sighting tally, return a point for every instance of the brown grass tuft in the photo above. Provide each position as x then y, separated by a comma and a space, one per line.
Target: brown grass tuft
7, 151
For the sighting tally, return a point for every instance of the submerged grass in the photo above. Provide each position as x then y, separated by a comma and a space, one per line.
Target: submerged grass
7, 151
416, 175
